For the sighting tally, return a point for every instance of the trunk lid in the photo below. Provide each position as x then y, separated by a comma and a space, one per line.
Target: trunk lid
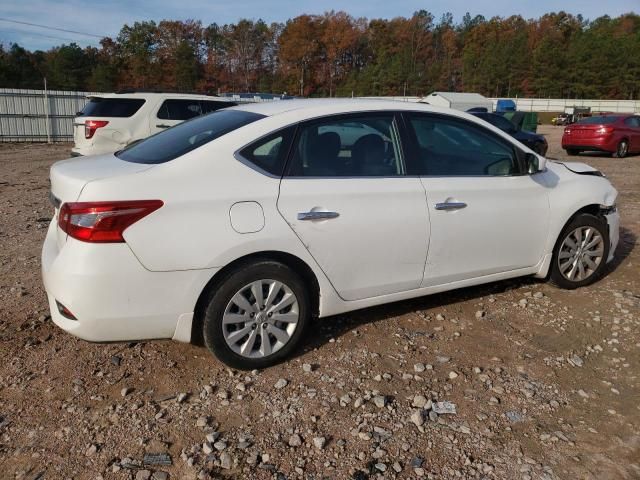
578, 130
69, 177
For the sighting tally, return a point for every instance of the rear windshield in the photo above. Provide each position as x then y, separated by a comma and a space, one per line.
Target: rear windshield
499, 121
111, 107
186, 136
598, 120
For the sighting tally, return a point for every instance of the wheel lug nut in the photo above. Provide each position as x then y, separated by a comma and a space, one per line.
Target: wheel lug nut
270, 314
264, 325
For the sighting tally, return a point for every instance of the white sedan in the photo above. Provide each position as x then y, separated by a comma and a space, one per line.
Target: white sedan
239, 227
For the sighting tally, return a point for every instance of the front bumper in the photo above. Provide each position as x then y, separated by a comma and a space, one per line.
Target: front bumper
113, 297
613, 220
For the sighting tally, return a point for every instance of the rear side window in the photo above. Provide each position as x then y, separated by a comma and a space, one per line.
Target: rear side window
176, 141
451, 147
270, 153
355, 146
632, 122
499, 121
111, 107
179, 109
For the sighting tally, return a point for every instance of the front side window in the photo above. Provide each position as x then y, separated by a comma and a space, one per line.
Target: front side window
186, 136
451, 147
353, 146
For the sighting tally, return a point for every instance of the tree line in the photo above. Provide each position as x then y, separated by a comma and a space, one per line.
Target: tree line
558, 55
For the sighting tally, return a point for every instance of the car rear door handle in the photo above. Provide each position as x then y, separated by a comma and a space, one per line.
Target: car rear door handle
450, 205
162, 125
316, 215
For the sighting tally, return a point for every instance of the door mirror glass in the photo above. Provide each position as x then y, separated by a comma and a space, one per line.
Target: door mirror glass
535, 163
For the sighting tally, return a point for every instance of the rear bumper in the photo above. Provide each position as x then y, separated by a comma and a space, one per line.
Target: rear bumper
113, 297
598, 144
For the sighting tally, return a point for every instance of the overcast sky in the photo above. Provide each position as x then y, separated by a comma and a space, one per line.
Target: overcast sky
107, 17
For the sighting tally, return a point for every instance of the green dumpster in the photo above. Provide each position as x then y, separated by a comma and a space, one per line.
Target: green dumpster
527, 121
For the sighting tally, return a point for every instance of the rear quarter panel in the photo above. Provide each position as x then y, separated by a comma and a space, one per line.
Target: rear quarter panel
193, 229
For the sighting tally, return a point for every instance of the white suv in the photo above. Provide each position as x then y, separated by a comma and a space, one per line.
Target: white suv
111, 121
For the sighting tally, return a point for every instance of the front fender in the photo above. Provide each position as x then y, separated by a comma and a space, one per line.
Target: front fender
569, 194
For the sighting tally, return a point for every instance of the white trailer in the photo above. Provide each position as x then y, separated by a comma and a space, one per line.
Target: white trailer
458, 101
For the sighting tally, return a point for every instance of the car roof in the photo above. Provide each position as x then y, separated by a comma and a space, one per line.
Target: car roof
169, 95
322, 106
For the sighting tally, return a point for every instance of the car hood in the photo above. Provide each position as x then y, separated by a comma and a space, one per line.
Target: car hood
580, 168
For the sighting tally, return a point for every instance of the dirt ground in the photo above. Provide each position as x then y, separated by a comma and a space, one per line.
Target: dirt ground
545, 382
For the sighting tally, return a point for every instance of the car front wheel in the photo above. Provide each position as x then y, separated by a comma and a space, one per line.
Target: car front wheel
581, 252
257, 315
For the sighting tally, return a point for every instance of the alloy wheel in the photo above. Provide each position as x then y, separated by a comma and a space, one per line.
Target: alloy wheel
260, 318
623, 148
581, 253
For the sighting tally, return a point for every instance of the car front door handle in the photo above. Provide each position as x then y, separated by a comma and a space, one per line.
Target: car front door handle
317, 215
450, 205
162, 125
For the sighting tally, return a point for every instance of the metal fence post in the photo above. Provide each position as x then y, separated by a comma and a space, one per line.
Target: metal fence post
46, 111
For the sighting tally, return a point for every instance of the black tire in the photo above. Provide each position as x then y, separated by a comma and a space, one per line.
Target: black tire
572, 152
232, 283
581, 220
622, 150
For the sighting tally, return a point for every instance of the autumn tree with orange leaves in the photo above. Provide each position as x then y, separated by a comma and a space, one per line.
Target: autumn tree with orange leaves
335, 54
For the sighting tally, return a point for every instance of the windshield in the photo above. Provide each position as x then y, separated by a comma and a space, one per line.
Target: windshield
598, 120
111, 107
186, 136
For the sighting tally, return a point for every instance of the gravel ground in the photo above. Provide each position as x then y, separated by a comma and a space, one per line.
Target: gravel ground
545, 382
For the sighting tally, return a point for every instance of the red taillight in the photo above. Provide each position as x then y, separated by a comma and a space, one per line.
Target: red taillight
90, 127
604, 130
103, 222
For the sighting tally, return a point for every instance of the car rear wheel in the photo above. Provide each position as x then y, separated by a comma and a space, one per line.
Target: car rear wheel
623, 149
257, 316
581, 252
572, 151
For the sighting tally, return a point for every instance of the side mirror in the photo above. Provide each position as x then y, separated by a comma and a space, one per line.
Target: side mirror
535, 163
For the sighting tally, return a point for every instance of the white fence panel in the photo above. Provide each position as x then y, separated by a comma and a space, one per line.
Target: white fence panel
559, 104
37, 115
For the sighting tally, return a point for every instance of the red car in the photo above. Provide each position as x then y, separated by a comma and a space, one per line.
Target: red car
617, 134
